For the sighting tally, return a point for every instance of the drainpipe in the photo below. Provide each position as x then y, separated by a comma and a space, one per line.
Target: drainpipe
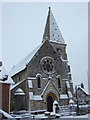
9, 98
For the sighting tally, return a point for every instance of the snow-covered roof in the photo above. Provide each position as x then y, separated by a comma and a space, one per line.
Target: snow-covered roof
71, 81
52, 31
22, 64
3, 72
19, 91
30, 95
63, 96
1, 81
70, 94
30, 84
71, 101
5, 114
37, 97
67, 84
55, 102
79, 87
34, 97
10, 81
17, 84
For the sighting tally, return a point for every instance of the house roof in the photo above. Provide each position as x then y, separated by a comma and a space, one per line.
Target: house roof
3, 72
52, 32
10, 81
82, 89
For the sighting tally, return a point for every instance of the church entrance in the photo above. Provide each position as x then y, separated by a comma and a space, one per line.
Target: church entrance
51, 97
49, 103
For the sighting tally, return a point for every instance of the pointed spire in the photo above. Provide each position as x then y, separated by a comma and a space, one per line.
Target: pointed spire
52, 31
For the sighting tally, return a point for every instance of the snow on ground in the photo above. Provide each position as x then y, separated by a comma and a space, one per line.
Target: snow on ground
41, 116
81, 116
5, 114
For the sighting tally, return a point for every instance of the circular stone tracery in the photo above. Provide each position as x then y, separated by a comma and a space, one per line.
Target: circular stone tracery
47, 65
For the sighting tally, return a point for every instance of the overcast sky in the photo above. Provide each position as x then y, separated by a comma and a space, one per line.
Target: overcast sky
23, 26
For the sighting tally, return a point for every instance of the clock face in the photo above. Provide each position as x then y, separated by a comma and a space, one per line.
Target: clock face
48, 65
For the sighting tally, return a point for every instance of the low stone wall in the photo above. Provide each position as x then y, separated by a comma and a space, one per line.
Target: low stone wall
37, 105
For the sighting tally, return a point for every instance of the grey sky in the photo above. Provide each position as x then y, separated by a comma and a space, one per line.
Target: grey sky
23, 26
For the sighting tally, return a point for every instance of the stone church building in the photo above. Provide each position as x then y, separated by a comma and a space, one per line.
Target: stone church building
44, 75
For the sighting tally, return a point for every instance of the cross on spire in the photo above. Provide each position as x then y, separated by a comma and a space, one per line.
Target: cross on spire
52, 32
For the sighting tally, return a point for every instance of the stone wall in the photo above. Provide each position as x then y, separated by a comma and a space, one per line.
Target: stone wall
37, 105
63, 102
61, 48
34, 66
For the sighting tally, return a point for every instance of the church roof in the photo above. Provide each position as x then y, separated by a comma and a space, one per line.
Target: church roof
22, 64
52, 32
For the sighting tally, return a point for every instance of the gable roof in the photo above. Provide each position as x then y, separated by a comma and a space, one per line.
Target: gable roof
10, 81
52, 32
22, 64
47, 87
14, 86
79, 87
3, 72
19, 91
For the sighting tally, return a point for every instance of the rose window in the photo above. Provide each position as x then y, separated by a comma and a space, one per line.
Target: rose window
47, 64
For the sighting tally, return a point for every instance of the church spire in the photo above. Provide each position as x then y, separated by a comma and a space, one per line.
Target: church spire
52, 32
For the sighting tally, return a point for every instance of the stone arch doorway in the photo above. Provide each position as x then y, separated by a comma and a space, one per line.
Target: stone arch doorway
51, 97
49, 103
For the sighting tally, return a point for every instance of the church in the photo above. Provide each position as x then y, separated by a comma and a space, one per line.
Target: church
44, 75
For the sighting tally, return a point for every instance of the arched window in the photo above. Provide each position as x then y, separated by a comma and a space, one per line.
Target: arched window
39, 79
39, 82
59, 83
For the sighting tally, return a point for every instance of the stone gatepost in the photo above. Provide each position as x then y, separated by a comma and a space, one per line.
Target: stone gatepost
55, 107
